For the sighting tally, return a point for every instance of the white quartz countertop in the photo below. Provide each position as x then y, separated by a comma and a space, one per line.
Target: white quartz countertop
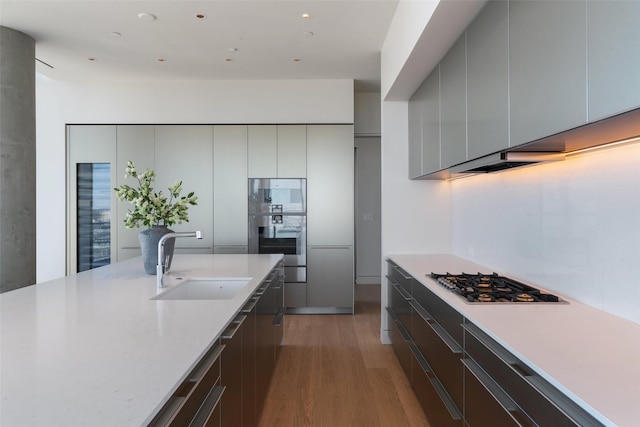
92, 349
591, 356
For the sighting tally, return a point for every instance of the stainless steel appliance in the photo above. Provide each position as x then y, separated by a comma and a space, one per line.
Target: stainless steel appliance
278, 222
487, 288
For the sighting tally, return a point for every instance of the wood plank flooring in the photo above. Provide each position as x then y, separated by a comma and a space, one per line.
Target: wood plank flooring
334, 372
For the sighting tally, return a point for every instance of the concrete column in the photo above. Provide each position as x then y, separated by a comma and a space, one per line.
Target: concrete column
17, 160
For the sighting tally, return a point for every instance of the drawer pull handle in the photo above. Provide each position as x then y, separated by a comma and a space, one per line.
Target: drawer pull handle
399, 288
277, 321
498, 394
499, 352
403, 331
437, 385
404, 274
439, 330
211, 401
250, 306
230, 332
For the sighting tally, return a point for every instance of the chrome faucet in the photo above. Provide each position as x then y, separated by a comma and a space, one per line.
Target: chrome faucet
162, 261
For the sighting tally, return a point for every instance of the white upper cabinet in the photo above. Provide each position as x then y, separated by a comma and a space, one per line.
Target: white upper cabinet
613, 41
453, 104
547, 64
184, 153
230, 215
488, 80
134, 143
263, 151
292, 151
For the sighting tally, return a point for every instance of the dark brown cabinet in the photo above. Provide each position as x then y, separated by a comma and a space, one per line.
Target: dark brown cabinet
426, 352
253, 341
197, 400
462, 376
229, 385
231, 375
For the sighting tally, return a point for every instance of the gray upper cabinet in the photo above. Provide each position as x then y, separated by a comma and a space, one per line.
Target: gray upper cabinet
453, 104
277, 151
230, 189
488, 80
292, 151
330, 190
134, 143
547, 62
613, 41
430, 108
263, 151
415, 133
184, 153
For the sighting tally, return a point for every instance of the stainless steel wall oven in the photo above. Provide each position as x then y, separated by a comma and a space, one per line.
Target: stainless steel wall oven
278, 222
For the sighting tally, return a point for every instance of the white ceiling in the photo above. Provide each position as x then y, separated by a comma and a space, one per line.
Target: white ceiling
268, 35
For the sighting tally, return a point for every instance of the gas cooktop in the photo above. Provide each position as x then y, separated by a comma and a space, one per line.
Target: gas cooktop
487, 288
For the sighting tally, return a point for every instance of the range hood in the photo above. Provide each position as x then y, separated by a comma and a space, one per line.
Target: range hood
550, 149
505, 160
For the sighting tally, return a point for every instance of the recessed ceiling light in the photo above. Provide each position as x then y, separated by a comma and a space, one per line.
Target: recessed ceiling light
233, 49
146, 17
297, 59
160, 59
200, 16
229, 59
306, 15
91, 59
115, 34
308, 33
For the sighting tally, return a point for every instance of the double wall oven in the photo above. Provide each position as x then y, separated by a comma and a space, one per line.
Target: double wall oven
278, 222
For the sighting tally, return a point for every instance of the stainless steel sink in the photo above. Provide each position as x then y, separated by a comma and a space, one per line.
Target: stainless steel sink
204, 288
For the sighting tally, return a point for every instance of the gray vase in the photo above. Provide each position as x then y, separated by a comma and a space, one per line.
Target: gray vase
149, 239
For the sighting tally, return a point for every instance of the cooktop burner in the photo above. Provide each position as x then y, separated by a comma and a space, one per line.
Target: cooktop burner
484, 288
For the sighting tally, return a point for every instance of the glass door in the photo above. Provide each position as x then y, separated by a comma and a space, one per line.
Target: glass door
93, 220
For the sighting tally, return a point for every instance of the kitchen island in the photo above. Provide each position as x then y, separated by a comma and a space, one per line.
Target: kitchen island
590, 356
94, 348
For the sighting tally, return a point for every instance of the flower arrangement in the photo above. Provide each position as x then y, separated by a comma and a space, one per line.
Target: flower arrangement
150, 208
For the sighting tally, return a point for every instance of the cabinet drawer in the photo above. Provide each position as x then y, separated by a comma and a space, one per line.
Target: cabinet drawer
486, 405
400, 302
201, 390
400, 277
441, 352
444, 315
435, 401
539, 400
400, 341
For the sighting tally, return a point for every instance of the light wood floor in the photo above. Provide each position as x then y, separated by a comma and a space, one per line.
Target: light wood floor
334, 372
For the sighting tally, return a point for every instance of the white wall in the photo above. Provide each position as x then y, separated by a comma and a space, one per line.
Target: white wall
415, 214
407, 26
572, 227
154, 101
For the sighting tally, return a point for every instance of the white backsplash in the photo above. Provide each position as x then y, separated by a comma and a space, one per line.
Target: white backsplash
571, 227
